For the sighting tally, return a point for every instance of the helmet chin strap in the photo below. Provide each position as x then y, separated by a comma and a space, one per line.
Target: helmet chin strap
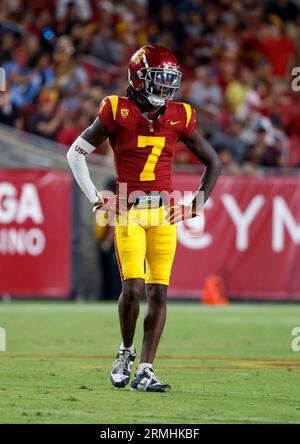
153, 100
156, 101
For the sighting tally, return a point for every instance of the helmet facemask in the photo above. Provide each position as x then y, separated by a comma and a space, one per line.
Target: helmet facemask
160, 84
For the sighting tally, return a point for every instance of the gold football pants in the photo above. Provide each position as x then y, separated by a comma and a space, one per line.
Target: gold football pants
144, 236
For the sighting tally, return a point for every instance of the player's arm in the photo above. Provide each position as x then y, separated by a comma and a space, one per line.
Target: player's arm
204, 152
207, 155
85, 144
96, 133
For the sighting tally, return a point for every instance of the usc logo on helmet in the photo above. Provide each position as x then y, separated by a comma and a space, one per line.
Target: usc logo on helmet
138, 58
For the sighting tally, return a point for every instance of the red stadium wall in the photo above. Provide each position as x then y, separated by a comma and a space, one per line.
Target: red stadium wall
251, 239
35, 233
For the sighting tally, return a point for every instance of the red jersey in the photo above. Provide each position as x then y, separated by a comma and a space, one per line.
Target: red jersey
144, 149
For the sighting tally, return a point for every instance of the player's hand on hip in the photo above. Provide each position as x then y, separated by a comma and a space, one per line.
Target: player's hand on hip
98, 205
179, 212
111, 205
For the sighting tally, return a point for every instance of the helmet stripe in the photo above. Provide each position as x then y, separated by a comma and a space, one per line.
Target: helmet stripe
114, 105
145, 60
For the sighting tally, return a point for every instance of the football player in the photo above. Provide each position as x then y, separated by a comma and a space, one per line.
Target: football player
143, 129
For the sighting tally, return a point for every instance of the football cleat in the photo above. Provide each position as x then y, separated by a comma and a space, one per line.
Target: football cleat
121, 369
146, 381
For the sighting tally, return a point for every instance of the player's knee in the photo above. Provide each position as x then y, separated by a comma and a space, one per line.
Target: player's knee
157, 294
132, 291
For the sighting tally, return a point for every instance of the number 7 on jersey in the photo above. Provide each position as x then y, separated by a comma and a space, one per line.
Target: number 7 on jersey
157, 143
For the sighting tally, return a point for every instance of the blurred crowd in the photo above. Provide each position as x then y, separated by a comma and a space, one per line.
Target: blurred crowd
62, 57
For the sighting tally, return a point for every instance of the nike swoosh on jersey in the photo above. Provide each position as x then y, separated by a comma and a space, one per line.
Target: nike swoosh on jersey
174, 123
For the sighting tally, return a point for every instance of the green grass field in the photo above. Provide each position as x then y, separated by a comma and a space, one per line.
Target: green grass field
225, 365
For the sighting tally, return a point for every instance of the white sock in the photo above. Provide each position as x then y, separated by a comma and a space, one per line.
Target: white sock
142, 367
131, 348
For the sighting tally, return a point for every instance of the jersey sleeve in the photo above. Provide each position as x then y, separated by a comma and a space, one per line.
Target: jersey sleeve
107, 112
190, 120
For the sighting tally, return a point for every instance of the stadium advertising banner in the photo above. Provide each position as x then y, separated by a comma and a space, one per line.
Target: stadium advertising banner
251, 238
35, 233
